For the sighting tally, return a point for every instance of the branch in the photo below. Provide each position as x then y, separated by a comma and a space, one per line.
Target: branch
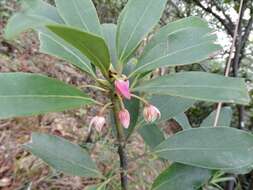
178, 12
241, 41
228, 27
247, 29
219, 8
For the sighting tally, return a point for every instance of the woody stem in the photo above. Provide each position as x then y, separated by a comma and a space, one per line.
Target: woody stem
121, 146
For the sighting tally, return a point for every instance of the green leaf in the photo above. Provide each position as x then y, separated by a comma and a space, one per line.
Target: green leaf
53, 45
80, 14
136, 20
183, 121
181, 177
62, 155
152, 135
110, 31
176, 26
224, 119
24, 94
35, 13
219, 148
198, 86
170, 106
186, 46
92, 46
133, 106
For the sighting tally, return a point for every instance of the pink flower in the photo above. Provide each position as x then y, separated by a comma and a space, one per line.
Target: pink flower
98, 122
124, 118
151, 113
122, 88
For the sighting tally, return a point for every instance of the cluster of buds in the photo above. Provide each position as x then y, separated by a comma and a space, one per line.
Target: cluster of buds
150, 112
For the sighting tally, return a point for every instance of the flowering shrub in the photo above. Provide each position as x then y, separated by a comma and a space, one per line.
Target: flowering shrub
108, 54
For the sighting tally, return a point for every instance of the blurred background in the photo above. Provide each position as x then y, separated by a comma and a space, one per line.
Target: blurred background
20, 170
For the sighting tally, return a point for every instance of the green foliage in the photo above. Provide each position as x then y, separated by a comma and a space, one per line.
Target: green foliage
134, 25
53, 45
181, 177
219, 148
37, 14
80, 14
183, 121
198, 86
180, 43
224, 120
152, 135
24, 94
170, 106
92, 46
34, 14
133, 106
62, 155
110, 31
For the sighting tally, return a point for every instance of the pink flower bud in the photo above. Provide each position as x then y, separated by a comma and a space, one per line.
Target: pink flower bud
151, 113
122, 88
98, 122
124, 118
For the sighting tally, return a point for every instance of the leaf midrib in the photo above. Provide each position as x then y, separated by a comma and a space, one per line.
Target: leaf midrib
188, 86
68, 50
170, 54
46, 96
65, 160
133, 31
97, 59
205, 149
78, 11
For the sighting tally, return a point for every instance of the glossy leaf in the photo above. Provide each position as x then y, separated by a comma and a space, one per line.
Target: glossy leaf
92, 46
135, 22
219, 148
181, 177
183, 121
24, 94
34, 14
186, 46
224, 119
170, 106
53, 45
110, 31
176, 26
62, 155
198, 86
151, 135
80, 14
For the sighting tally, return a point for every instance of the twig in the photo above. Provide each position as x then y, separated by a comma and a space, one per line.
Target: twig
121, 147
227, 26
228, 66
